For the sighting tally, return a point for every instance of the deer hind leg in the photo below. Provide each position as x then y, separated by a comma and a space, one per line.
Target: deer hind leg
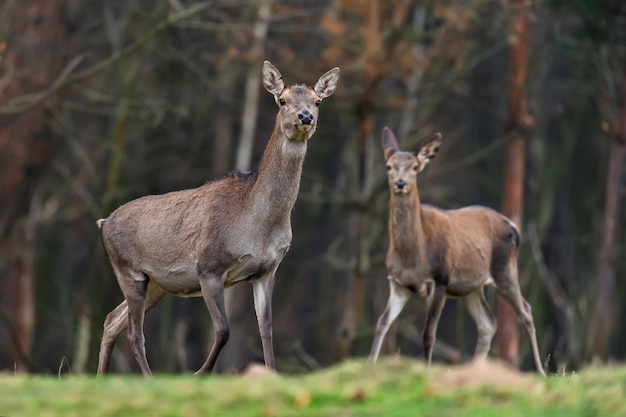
140, 295
434, 307
213, 294
507, 285
117, 321
262, 291
398, 296
114, 324
486, 323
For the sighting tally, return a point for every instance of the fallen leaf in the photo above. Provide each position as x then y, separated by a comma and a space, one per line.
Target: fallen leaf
303, 399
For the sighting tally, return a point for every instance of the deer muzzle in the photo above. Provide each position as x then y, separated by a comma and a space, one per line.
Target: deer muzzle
401, 187
305, 117
304, 128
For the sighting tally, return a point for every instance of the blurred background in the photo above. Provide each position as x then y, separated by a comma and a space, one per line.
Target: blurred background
104, 102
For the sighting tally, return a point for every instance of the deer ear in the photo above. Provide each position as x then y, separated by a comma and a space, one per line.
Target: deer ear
327, 83
429, 150
389, 142
272, 79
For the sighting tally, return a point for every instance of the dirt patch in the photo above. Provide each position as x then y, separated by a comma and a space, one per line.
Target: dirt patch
255, 370
489, 373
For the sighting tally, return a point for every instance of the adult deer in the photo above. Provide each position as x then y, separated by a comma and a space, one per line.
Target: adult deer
446, 253
199, 241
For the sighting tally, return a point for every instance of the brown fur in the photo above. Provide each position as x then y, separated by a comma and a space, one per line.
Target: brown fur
196, 242
446, 253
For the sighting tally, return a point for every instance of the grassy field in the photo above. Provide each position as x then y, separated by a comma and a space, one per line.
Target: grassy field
395, 387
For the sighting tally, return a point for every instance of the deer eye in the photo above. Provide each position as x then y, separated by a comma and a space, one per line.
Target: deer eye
317, 103
282, 101
388, 167
415, 168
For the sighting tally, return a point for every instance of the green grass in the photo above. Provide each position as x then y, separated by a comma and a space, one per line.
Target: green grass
395, 387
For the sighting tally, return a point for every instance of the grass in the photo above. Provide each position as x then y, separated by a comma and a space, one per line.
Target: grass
395, 387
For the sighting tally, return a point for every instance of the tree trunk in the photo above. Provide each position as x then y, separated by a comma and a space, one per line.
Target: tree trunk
223, 126
379, 55
30, 59
239, 303
355, 291
513, 205
253, 82
604, 315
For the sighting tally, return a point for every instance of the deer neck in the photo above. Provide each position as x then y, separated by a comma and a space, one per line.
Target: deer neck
278, 181
405, 228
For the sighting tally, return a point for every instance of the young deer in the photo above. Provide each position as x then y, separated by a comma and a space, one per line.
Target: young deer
196, 242
446, 253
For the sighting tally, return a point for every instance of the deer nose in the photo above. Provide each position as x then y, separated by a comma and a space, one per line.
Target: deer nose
400, 184
305, 117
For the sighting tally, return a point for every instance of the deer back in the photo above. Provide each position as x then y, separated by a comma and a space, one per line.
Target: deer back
467, 246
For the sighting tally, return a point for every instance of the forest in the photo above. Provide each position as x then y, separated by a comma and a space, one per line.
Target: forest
105, 102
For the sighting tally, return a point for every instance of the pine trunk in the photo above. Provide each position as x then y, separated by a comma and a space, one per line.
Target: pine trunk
513, 205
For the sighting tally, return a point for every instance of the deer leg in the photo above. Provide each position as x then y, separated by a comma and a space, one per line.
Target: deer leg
434, 307
486, 323
398, 296
507, 285
136, 293
262, 292
213, 293
117, 321
114, 324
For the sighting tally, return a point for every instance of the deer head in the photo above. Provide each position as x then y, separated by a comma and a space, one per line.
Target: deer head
298, 104
403, 167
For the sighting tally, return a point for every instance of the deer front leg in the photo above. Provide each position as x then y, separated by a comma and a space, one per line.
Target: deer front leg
434, 307
262, 292
398, 297
213, 294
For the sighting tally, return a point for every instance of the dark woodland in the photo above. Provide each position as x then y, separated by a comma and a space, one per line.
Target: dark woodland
105, 102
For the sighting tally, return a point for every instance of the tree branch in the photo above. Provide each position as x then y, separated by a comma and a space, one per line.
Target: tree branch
555, 290
27, 102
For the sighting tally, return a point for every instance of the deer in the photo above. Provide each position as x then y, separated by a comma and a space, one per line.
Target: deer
438, 254
197, 242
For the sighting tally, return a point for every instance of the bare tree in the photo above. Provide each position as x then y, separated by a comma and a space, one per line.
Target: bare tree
29, 58
513, 201
380, 46
237, 297
603, 321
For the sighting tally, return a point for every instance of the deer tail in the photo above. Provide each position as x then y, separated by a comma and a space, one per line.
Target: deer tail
100, 222
515, 233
